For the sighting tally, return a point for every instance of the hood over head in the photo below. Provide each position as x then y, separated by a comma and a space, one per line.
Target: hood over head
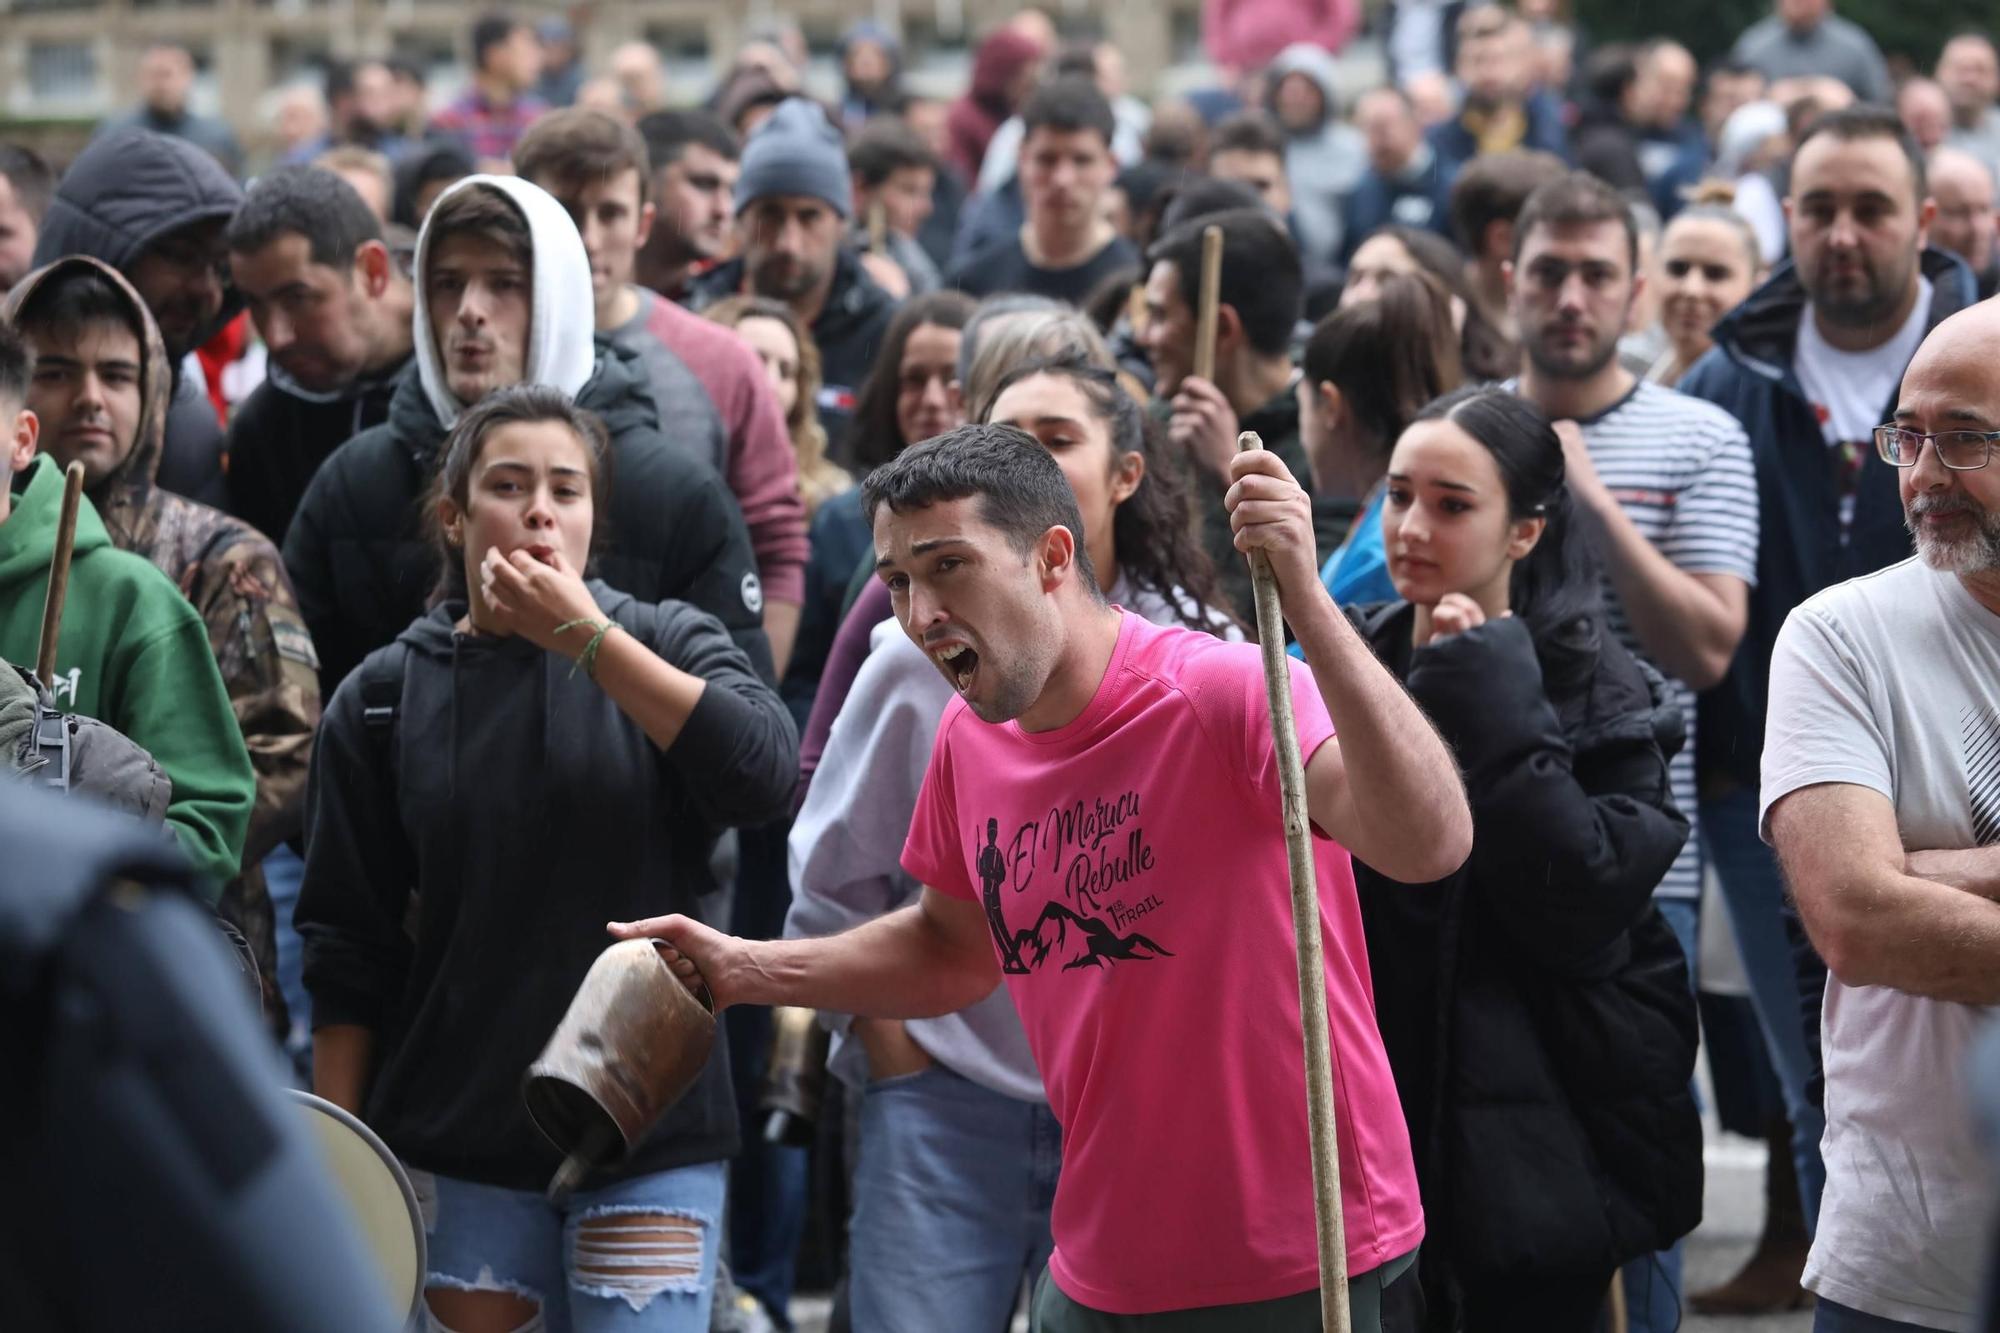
126, 191
1000, 60
562, 319
1317, 64
122, 497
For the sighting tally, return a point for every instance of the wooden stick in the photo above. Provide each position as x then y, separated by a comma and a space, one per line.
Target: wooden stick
878, 228
1305, 933
52, 604
1211, 295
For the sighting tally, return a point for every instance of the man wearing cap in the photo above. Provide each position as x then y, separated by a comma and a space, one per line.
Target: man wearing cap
793, 202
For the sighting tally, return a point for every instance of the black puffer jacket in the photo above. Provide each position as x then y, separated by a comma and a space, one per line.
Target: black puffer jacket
124, 192
362, 562
1535, 1007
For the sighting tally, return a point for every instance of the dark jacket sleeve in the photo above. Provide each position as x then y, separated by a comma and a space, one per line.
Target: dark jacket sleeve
1567, 847
253, 432
705, 558
737, 755
358, 874
309, 563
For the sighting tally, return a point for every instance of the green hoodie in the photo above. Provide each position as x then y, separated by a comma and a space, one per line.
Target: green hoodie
135, 656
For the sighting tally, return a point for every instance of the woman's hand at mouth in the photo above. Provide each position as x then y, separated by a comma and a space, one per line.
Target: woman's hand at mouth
534, 597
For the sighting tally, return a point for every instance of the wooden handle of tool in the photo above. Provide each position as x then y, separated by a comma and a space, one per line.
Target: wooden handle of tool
878, 228
52, 604
1210, 297
1305, 933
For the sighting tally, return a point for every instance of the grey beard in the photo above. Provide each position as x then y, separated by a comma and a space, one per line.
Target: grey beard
1978, 553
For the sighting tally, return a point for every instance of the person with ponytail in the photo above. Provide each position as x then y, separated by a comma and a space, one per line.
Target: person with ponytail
1368, 369
534, 755
1708, 264
1534, 1004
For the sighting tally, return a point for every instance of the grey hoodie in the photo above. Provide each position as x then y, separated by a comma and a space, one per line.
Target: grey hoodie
1323, 164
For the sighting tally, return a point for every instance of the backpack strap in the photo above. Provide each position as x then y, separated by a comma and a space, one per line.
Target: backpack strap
381, 704
382, 699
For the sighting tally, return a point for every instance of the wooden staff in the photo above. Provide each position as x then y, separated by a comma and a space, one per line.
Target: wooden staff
878, 228
52, 605
1305, 933
1210, 297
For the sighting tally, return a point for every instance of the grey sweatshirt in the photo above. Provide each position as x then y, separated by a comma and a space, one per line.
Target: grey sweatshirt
847, 844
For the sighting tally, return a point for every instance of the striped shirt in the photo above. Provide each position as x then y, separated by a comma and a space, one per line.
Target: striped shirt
1680, 469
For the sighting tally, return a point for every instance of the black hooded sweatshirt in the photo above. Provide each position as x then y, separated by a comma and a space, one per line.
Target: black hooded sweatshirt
364, 566
282, 433
523, 809
125, 191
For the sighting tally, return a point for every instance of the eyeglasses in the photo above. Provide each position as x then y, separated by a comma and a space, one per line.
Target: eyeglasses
1959, 450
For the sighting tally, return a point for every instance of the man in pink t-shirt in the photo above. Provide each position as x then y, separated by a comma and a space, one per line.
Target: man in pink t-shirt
1100, 827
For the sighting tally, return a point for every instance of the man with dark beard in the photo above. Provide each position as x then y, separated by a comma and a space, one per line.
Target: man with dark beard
1665, 480
793, 202
1810, 364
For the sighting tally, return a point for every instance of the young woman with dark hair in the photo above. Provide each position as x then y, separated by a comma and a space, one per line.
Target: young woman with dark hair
534, 756
1534, 1004
1487, 352
908, 395
1368, 369
1138, 512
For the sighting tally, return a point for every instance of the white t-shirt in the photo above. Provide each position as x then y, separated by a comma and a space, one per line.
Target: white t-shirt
1852, 391
1892, 682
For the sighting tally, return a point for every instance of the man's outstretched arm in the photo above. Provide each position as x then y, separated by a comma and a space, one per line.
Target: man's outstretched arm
930, 958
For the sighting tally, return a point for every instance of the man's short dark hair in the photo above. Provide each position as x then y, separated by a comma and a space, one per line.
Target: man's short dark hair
1863, 121
66, 303
484, 211
34, 183
13, 369
571, 147
312, 201
489, 31
1577, 199
1261, 276
884, 147
1020, 489
1069, 105
408, 69
1248, 132
1204, 197
1492, 188
668, 133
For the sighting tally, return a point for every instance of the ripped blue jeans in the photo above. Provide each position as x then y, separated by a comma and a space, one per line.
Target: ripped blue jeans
637, 1255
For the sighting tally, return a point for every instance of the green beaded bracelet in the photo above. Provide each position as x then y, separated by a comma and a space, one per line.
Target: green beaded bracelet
587, 659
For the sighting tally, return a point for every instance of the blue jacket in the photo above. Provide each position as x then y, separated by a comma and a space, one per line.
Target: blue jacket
1417, 198
1802, 548
1546, 130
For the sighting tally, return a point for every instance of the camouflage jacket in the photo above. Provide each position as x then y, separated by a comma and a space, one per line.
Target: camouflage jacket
234, 577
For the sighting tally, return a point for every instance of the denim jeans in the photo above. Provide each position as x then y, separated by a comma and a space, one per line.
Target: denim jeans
1833, 1317
591, 1264
284, 872
952, 1191
1653, 1281
1754, 891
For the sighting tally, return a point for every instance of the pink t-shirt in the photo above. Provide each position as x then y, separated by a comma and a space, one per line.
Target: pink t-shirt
1132, 868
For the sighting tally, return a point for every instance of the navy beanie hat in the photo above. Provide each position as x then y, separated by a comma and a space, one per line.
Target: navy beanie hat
796, 151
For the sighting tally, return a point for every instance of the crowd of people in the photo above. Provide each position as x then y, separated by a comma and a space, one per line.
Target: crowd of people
813, 533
